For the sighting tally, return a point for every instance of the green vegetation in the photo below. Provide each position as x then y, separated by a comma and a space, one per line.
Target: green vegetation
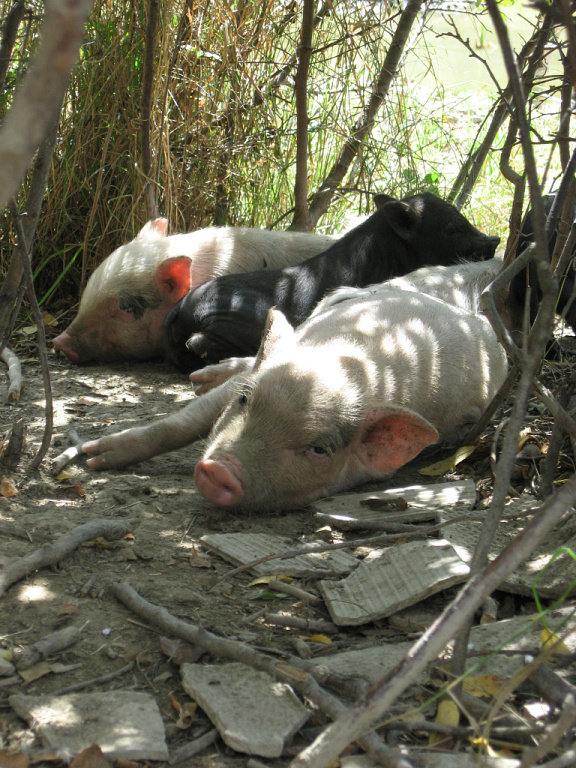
223, 122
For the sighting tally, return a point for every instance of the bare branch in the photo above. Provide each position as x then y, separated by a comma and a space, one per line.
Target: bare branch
300, 221
321, 200
38, 100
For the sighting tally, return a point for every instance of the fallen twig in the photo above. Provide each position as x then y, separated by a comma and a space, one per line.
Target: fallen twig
303, 682
14, 374
70, 454
29, 655
290, 589
193, 747
96, 680
50, 554
296, 622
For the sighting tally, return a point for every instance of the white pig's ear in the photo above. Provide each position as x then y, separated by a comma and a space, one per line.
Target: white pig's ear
173, 278
403, 217
153, 230
391, 437
278, 335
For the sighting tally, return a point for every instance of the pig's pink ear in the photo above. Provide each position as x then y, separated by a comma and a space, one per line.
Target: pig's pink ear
391, 437
153, 230
173, 278
278, 334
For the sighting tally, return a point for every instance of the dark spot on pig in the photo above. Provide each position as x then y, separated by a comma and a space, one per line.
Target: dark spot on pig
136, 305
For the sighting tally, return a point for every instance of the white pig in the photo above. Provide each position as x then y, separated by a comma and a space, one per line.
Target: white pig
351, 395
130, 293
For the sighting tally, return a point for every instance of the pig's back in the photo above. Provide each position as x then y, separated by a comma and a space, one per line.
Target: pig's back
442, 362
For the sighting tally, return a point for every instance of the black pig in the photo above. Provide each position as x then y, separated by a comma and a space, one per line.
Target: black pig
225, 317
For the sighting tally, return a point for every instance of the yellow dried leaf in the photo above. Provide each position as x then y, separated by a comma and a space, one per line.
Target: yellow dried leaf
446, 714
7, 489
549, 640
483, 746
318, 638
485, 685
49, 320
441, 467
64, 476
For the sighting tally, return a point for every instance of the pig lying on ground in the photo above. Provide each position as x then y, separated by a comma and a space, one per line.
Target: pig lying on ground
350, 396
128, 296
460, 285
518, 287
226, 316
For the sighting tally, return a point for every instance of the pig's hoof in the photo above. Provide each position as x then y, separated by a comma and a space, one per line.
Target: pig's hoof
102, 455
217, 483
211, 376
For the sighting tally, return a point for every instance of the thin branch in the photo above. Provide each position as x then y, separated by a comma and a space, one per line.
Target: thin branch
50, 554
38, 99
323, 197
300, 220
147, 86
9, 34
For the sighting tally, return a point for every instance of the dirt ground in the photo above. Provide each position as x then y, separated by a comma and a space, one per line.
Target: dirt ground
161, 557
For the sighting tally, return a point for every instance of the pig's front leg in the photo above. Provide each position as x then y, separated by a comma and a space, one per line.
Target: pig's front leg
211, 376
168, 434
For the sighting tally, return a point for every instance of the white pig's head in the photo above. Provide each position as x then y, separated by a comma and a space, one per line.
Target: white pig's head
126, 300
303, 425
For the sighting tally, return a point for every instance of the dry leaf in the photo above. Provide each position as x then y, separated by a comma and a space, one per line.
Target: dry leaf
446, 714
324, 639
551, 641
485, 685
7, 488
91, 757
35, 672
483, 746
441, 467
76, 489
198, 559
186, 712
67, 609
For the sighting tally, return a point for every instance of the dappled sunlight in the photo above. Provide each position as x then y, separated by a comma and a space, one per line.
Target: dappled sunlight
34, 593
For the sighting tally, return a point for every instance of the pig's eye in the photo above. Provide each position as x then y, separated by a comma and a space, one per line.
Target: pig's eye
242, 400
318, 450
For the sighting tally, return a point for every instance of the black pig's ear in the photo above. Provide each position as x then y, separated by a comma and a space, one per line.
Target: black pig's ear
403, 217
381, 199
278, 335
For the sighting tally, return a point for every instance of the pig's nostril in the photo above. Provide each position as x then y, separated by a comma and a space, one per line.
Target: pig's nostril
217, 483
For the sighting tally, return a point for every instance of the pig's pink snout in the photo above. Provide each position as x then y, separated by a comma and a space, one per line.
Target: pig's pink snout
63, 343
218, 482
